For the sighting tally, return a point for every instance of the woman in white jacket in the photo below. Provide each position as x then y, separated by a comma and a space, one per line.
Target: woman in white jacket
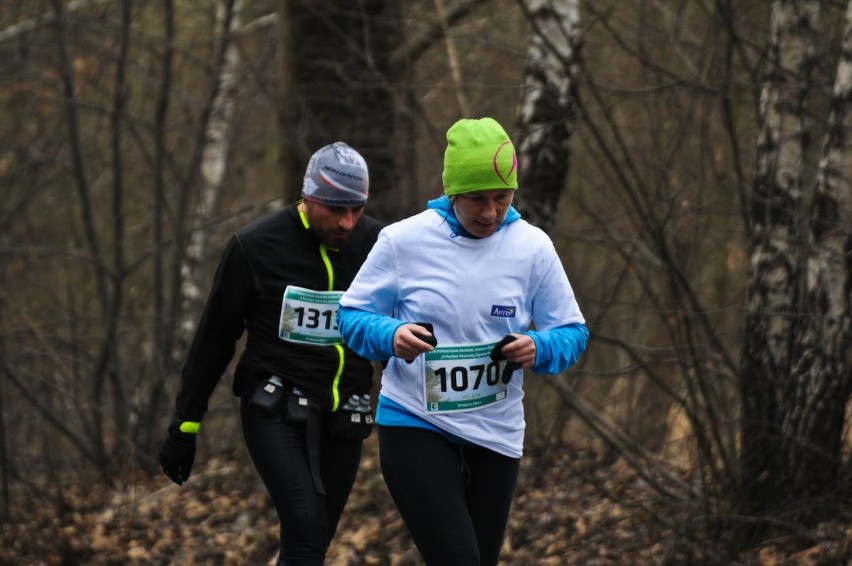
448, 297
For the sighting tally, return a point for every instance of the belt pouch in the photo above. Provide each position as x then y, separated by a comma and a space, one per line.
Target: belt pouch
267, 396
295, 409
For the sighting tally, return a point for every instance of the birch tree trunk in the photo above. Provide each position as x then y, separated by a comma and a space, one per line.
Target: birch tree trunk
214, 163
771, 214
822, 370
547, 107
210, 147
795, 368
177, 288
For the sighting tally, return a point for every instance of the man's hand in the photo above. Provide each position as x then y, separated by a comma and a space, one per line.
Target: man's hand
177, 454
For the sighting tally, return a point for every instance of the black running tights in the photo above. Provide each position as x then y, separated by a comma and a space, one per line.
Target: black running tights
308, 520
454, 498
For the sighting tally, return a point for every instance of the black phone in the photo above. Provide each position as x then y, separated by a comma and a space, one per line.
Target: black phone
497, 356
431, 340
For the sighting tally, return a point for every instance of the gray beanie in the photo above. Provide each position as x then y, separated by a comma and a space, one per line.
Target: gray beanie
337, 176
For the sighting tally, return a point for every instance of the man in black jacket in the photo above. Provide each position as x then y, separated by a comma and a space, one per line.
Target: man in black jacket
279, 280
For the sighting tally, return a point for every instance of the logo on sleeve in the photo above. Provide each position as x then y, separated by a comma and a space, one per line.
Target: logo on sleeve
503, 310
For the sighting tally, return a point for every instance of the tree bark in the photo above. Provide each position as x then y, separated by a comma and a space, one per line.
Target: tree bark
288, 107
214, 163
4, 456
547, 109
344, 87
161, 340
795, 370
92, 238
774, 243
822, 370
178, 341
112, 356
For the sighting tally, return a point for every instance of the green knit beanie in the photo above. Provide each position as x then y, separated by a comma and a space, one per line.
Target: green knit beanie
479, 156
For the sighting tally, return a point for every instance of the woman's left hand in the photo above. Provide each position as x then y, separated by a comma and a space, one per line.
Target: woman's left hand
521, 351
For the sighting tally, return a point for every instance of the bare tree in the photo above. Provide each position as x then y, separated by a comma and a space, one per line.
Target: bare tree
653, 219
192, 226
109, 296
161, 351
214, 162
795, 378
87, 385
343, 86
547, 111
648, 222
4, 454
142, 108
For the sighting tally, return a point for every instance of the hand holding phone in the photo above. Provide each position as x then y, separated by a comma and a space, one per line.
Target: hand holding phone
428, 338
497, 355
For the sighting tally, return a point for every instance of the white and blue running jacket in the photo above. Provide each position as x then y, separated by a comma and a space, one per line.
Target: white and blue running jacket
473, 291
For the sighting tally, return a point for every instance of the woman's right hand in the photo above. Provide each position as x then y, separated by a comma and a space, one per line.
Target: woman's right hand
410, 340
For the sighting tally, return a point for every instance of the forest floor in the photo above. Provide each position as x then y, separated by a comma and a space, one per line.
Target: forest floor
570, 508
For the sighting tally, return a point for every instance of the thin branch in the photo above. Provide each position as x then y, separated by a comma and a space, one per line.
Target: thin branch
638, 458
42, 20
24, 385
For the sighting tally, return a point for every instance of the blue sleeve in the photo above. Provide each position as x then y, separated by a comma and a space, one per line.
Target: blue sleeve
369, 334
559, 348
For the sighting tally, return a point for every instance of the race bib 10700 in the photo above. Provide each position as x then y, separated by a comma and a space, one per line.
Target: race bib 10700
462, 378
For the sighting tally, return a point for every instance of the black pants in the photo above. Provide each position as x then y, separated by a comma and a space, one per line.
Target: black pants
308, 520
454, 498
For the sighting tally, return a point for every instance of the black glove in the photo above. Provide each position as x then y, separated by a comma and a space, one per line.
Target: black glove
177, 454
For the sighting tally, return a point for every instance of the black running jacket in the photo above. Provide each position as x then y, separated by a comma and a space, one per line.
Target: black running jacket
259, 262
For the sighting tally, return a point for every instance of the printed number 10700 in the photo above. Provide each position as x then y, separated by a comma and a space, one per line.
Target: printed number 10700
459, 377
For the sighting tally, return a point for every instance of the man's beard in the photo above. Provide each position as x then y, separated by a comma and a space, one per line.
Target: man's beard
335, 238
